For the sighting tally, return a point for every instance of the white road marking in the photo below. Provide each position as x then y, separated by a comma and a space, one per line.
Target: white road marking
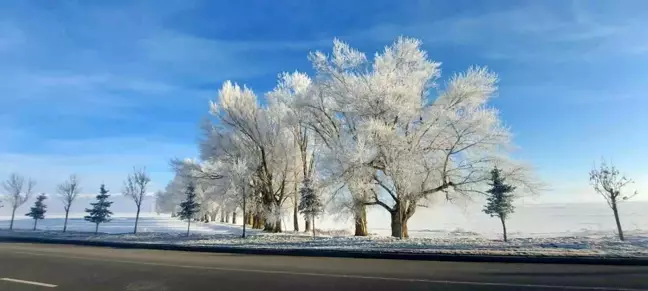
29, 282
469, 283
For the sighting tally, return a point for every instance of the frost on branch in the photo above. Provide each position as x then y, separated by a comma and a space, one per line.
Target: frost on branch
383, 120
379, 132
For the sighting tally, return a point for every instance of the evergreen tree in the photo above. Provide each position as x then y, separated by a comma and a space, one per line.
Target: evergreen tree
190, 206
38, 211
99, 213
500, 201
310, 204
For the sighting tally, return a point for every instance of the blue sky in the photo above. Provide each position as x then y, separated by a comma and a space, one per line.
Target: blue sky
96, 87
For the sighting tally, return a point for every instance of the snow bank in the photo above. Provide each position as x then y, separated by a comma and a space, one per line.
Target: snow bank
166, 230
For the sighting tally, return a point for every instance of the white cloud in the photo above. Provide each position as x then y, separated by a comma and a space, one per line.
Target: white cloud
531, 33
96, 161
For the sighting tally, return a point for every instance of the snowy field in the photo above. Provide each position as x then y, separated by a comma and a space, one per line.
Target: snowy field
542, 229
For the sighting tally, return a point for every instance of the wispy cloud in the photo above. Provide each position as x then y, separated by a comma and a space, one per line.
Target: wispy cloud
532, 32
96, 161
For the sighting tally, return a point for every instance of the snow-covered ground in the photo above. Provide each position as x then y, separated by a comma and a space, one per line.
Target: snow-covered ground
540, 230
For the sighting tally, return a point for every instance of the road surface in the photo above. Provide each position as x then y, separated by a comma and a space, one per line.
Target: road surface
34, 267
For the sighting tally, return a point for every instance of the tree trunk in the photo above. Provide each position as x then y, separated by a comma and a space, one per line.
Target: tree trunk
222, 215
136, 219
67, 211
277, 226
258, 222
96, 228
250, 218
13, 213
213, 215
313, 226
268, 226
188, 225
296, 210
234, 217
360, 218
396, 225
615, 209
227, 217
399, 224
245, 219
307, 225
295, 218
504, 228
35, 222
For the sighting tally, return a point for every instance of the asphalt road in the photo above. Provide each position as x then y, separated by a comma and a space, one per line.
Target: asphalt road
31, 267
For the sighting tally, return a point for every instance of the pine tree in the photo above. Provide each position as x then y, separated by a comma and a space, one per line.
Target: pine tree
99, 212
38, 211
310, 204
500, 201
190, 206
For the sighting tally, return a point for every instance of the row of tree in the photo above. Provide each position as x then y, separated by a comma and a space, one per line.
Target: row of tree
356, 134
359, 134
99, 213
19, 190
605, 179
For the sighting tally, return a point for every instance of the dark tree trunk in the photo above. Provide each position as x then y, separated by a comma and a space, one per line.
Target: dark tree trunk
250, 218
307, 225
277, 226
13, 214
35, 222
313, 226
136, 218
245, 219
360, 218
268, 226
295, 218
213, 215
504, 228
227, 217
259, 221
396, 225
296, 210
67, 211
234, 217
96, 227
188, 225
615, 209
399, 224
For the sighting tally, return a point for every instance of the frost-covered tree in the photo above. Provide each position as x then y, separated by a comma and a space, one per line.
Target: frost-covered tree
244, 128
609, 182
310, 204
396, 144
135, 188
167, 200
382, 132
289, 94
67, 193
38, 211
18, 192
100, 212
500, 200
190, 206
